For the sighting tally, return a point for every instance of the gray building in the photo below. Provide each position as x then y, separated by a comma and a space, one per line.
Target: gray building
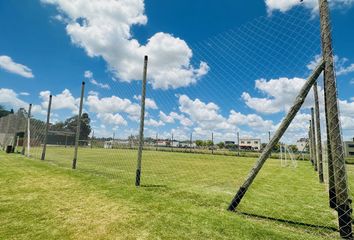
349, 148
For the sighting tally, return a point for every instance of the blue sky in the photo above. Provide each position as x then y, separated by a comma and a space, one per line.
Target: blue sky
219, 67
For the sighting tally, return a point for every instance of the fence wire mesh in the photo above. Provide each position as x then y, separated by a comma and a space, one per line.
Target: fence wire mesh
208, 154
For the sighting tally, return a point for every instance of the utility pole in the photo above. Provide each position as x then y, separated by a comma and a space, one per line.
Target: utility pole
172, 142
156, 140
113, 140
238, 143
92, 138
318, 134
78, 125
46, 128
141, 130
343, 200
190, 142
212, 143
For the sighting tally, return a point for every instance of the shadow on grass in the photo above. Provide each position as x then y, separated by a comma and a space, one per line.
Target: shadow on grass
153, 186
289, 221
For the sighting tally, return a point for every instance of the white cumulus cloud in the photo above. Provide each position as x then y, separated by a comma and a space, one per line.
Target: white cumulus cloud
103, 28
149, 103
184, 121
341, 64
89, 75
286, 5
112, 119
113, 104
251, 120
206, 117
10, 98
63, 100
153, 123
343, 70
279, 95
99, 84
9, 65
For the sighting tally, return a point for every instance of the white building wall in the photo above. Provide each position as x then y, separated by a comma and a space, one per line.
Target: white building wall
255, 144
349, 148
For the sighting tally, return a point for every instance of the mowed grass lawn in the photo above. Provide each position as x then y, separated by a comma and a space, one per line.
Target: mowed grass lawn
183, 196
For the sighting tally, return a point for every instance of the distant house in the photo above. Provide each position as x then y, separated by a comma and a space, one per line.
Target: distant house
349, 148
116, 143
163, 143
187, 144
174, 143
250, 144
108, 144
302, 144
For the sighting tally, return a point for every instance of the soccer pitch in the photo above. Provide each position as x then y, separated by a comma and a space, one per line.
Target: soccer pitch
183, 196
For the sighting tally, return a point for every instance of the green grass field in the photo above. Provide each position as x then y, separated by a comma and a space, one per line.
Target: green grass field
183, 196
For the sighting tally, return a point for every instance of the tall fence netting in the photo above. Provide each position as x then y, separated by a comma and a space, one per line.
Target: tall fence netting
203, 156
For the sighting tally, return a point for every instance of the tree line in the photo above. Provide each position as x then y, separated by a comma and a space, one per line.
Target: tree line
4, 112
70, 125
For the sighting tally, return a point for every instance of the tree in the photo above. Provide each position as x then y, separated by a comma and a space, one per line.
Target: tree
59, 126
85, 128
221, 145
4, 112
231, 146
199, 143
293, 148
209, 143
133, 140
276, 148
71, 123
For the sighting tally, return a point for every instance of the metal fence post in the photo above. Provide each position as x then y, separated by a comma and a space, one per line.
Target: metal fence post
156, 141
141, 130
92, 138
46, 128
78, 127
